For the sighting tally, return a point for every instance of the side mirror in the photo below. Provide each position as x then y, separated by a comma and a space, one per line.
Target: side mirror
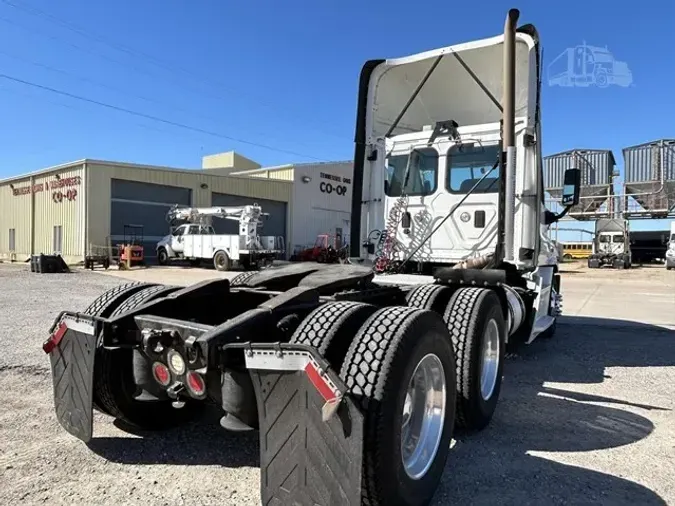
571, 187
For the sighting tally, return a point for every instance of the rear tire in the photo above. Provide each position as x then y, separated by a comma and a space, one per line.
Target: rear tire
221, 261
377, 371
476, 323
432, 297
331, 327
104, 306
242, 279
114, 379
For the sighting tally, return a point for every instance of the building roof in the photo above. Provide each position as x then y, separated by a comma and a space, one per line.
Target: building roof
289, 166
68, 165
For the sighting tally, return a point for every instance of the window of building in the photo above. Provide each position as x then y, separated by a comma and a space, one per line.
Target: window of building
466, 167
422, 173
58, 239
12, 239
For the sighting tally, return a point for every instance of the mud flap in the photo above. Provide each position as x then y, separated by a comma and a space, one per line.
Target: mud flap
311, 433
71, 348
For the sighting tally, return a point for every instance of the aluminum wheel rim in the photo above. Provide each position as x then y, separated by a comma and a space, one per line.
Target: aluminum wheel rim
423, 416
490, 359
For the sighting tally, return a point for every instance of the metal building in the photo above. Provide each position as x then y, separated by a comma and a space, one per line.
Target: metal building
322, 194
649, 178
76, 207
597, 171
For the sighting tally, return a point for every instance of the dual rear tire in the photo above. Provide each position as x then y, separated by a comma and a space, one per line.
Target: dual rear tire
398, 364
477, 327
117, 371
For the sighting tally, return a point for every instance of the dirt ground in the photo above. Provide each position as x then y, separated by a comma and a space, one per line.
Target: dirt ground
584, 418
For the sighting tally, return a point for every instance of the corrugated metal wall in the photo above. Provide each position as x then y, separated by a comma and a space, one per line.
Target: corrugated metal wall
596, 167
47, 212
15, 213
63, 206
650, 162
200, 184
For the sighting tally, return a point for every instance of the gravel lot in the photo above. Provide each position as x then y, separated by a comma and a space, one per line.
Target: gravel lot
585, 418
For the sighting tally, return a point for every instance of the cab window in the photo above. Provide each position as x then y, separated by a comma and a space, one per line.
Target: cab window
466, 167
193, 230
604, 238
617, 238
422, 173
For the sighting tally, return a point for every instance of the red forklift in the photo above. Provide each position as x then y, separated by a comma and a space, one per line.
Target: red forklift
327, 249
131, 252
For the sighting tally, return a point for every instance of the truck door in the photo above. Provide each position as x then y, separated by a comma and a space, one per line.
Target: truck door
193, 242
177, 242
472, 229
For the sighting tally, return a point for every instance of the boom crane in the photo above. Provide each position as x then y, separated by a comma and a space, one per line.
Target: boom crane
196, 240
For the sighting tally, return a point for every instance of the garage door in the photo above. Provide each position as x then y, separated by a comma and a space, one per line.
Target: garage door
146, 204
275, 225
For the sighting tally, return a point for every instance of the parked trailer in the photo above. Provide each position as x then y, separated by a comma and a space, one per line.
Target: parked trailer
647, 246
354, 383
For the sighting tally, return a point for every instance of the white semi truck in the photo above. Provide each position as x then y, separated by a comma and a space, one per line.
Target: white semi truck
670, 252
356, 381
611, 244
197, 241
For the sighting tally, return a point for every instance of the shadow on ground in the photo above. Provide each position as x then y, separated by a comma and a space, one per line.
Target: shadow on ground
494, 466
202, 442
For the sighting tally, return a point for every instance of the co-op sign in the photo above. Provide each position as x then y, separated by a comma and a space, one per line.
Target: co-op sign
334, 184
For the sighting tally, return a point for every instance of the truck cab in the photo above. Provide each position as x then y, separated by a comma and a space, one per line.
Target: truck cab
173, 244
611, 243
424, 180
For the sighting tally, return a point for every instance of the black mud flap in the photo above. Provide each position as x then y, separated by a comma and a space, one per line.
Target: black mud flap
71, 348
311, 433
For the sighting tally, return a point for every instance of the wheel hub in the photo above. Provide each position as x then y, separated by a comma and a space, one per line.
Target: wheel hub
490, 359
423, 416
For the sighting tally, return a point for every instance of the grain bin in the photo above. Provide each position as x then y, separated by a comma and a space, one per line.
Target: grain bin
597, 168
649, 175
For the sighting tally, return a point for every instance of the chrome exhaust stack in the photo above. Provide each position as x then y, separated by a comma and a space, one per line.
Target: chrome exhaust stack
508, 125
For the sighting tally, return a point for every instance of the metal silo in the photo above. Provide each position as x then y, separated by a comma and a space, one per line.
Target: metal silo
649, 177
597, 168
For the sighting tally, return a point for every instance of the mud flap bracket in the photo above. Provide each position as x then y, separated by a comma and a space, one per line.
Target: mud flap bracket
311, 433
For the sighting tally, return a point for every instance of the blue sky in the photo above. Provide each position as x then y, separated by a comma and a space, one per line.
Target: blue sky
284, 74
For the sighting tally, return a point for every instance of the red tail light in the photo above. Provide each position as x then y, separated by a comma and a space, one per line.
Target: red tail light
161, 373
196, 383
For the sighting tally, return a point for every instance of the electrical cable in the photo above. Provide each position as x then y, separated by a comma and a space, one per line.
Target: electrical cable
172, 68
153, 118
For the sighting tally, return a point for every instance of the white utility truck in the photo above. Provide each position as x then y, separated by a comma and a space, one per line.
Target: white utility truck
197, 241
670, 252
356, 381
611, 244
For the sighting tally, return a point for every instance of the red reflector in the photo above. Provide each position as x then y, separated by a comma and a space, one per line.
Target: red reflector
55, 338
195, 383
319, 383
161, 374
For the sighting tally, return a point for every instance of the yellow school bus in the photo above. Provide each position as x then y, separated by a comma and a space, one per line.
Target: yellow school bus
575, 250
